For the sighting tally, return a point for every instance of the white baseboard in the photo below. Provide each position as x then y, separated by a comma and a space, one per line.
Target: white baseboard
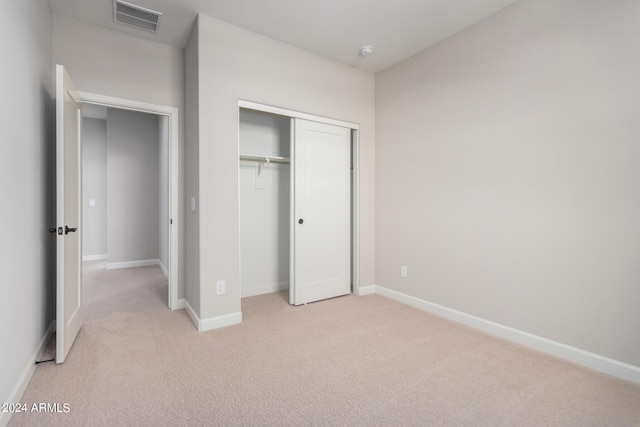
220, 321
27, 373
180, 305
581, 357
366, 290
211, 323
132, 264
94, 257
251, 292
192, 314
164, 269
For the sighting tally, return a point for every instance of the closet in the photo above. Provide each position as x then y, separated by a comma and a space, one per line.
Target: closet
295, 189
264, 202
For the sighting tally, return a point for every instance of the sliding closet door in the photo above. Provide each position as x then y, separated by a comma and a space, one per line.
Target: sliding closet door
321, 253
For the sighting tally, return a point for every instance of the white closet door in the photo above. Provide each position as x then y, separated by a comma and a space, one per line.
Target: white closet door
321, 255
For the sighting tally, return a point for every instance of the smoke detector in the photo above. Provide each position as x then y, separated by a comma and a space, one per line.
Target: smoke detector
366, 50
136, 16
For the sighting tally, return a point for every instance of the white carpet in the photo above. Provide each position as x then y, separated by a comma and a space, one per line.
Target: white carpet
348, 361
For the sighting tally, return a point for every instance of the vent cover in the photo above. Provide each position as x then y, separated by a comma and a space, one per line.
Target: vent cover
136, 16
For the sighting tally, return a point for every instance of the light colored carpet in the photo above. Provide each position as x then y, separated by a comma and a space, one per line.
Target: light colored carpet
349, 361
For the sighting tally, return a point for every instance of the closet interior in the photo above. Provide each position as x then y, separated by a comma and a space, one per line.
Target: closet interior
264, 193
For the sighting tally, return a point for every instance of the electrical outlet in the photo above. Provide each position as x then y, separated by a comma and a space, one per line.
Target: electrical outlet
403, 271
221, 287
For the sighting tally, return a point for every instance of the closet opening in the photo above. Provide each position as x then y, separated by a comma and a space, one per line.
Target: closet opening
264, 192
298, 204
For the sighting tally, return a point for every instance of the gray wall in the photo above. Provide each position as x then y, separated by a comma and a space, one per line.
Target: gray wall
94, 187
237, 64
132, 186
27, 187
508, 177
135, 69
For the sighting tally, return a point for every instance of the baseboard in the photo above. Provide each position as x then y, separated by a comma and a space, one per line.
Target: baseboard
180, 305
192, 314
164, 269
211, 323
251, 292
132, 264
100, 257
584, 358
220, 321
366, 290
27, 373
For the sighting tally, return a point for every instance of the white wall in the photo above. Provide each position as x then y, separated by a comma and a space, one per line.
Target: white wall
508, 173
132, 186
94, 187
27, 188
163, 196
134, 68
192, 171
264, 204
237, 64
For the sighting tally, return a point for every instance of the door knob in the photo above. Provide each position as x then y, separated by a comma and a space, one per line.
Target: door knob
68, 229
300, 221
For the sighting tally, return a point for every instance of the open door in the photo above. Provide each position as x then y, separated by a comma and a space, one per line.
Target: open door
68, 214
321, 229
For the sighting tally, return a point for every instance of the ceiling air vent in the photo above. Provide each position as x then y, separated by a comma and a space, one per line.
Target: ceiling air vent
136, 16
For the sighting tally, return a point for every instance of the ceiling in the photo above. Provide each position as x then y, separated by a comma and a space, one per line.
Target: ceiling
335, 29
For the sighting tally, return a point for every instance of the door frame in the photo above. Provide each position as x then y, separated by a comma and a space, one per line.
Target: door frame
355, 184
172, 113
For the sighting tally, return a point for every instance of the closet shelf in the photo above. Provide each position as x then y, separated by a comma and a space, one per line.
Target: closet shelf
264, 159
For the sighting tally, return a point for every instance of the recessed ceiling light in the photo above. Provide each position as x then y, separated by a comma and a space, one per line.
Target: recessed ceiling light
366, 50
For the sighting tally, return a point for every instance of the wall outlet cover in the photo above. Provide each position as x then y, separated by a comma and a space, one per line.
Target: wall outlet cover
221, 287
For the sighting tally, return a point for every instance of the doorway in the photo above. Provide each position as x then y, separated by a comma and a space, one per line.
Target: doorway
132, 220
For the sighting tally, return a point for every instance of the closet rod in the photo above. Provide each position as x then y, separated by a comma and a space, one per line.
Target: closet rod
264, 159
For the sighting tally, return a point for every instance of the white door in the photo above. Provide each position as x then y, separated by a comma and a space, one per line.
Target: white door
68, 216
321, 254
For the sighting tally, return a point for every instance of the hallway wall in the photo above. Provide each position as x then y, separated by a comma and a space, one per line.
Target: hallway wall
132, 186
94, 187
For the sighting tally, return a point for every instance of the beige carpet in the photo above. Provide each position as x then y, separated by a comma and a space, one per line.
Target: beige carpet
349, 361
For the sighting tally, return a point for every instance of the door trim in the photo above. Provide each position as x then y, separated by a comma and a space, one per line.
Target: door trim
174, 236
294, 114
355, 185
